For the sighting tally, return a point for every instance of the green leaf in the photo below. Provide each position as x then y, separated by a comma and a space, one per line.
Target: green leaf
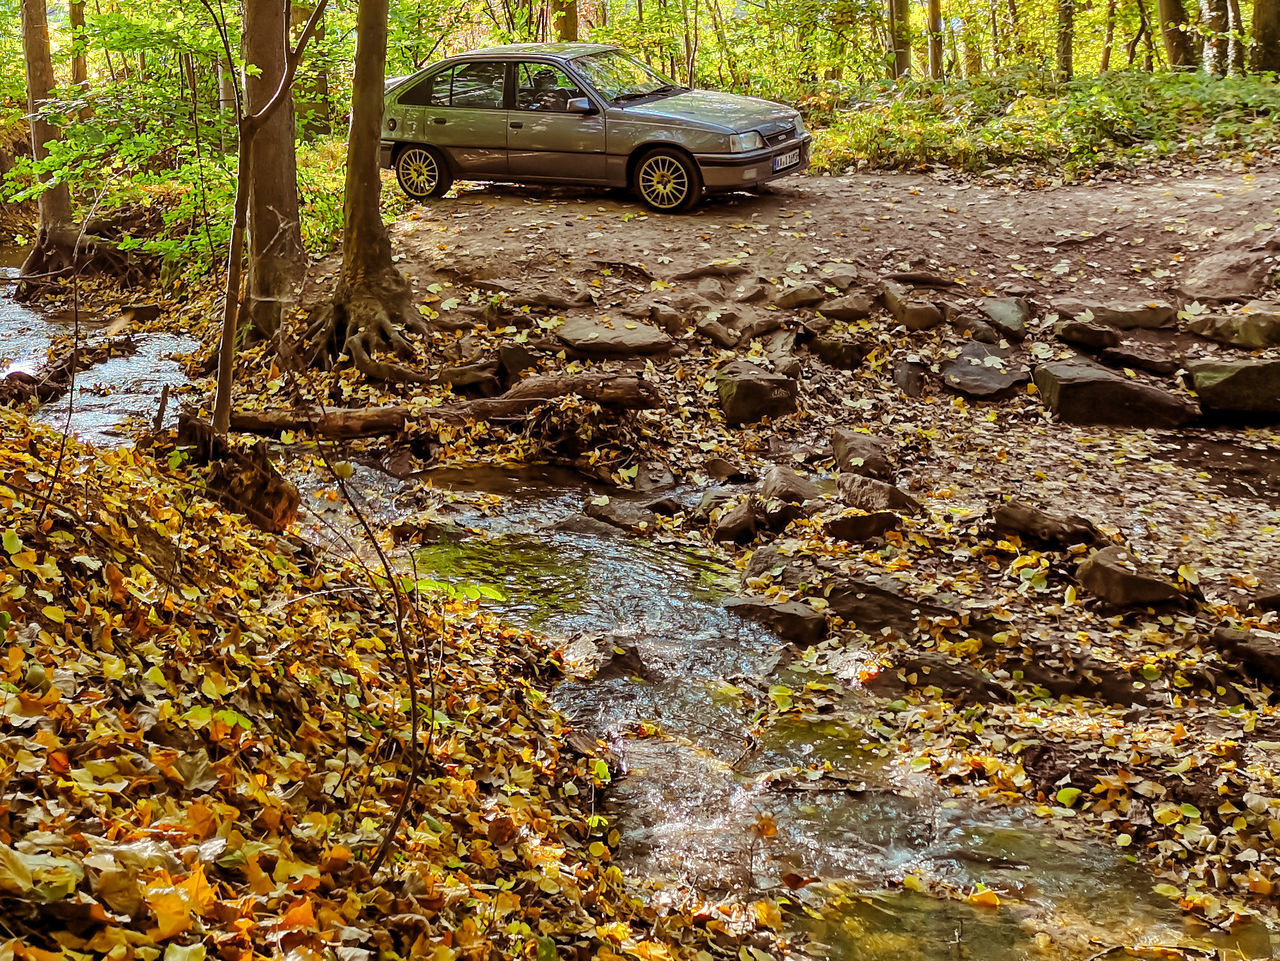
12, 542
1068, 796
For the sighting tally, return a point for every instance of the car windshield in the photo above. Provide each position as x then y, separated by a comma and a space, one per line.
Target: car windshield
620, 77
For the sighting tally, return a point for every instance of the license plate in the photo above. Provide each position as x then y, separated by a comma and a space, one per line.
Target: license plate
786, 160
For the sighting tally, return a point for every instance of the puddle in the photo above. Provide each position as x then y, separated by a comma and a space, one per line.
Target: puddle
108, 395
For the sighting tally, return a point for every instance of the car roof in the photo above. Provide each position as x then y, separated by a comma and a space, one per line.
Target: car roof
560, 51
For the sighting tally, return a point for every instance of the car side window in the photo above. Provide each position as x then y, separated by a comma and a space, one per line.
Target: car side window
478, 86
540, 86
431, 91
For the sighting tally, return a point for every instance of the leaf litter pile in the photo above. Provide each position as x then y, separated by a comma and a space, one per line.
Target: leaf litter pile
206, 735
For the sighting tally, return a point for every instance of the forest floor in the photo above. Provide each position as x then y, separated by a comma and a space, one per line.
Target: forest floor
892, 410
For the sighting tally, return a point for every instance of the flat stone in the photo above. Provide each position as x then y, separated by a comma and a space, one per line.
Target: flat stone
627, 515
726, 270
1059, 530
874, 603
871, 495
909, 376
804, 295
601, 337
1123, 315
653, 476
860, 453
1083, 334
1116, 577
984, 372
838, 275
1008, 315
791, 620
976, 327
1146, 357
717, 333
1240, 386
912, 312
1234, 275
736, 525
841, 353
856, 528
1257, 651
749, 393
1083, 393
783, 484
1257, 326
850, 307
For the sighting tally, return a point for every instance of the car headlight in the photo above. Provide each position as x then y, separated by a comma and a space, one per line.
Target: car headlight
799, 127
742, 142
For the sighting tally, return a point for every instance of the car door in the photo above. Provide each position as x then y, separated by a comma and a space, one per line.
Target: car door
461, 109
546, 141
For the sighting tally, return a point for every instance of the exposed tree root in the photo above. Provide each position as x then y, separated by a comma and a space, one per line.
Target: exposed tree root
61, 251
362, 321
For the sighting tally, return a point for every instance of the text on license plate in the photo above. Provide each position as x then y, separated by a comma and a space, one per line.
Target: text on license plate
786, 160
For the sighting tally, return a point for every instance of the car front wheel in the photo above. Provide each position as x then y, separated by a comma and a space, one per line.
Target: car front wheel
667, 181
421, 172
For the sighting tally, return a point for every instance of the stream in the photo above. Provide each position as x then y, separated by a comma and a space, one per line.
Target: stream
698, 800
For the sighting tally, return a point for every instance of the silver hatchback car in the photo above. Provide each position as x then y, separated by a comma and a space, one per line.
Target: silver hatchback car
580, 113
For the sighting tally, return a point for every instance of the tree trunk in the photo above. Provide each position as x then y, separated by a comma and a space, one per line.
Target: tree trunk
564, 14
1266, 35
79, 60
1213, 33
49, 254
1109, 38
1235, 39
936, 68
1066, 38
371, 297
900, 36
312, 100
275, 235
1176, 31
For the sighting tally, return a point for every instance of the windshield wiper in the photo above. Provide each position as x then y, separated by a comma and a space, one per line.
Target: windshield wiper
656, 91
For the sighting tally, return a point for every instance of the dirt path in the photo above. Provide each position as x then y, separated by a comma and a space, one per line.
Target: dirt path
1113, 237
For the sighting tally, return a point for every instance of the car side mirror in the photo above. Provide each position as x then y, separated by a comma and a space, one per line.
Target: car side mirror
579, 105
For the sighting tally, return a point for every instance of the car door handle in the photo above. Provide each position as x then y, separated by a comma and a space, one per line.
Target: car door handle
438, 120
516, 125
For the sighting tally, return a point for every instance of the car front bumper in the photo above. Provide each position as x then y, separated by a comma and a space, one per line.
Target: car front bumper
721, 171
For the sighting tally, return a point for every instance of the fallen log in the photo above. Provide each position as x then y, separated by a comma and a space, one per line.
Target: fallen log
337, 423
623, 392
54, 378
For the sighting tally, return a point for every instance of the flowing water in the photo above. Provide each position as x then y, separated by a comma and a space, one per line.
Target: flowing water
107, 396
702, 800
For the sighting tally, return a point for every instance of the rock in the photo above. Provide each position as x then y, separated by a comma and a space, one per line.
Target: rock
601, 337
1239, 386
912, 312
874, 603
622, 660
751, 293
908, 377
1083, 334
667, 506
978, 329
804, 295
983, 372
549, 299
717, 332
726, 270
670, 319
426, 530
515, 359
1084, 393
856, 528
723, 470
582, 524
716, 497
627, 515
736, 525
783, 484
956, 680
1061, 530
1256, 327
764, 560
870, 495
1256, 651
849, 307
1123, 315
749, 393
1008, 315
790, 620
859, 453
758, 327
1267, 599
473, 379
780, 347
1235, 275
838, 275
1142, 357
653, 476
840, 353
1115, 576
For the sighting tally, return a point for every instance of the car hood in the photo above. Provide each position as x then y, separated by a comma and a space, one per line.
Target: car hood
727, 110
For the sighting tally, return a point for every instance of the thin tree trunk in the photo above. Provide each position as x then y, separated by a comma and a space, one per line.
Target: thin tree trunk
1109, 39
79, 60
936, 67
564, 14
1266, 36
1213, 34
1176, 31
275, 234
1235, 39
1066, 38
55, 200
900, 36
1015, 31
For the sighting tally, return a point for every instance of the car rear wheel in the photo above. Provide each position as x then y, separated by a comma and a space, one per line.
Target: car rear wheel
667, 181
422, 172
